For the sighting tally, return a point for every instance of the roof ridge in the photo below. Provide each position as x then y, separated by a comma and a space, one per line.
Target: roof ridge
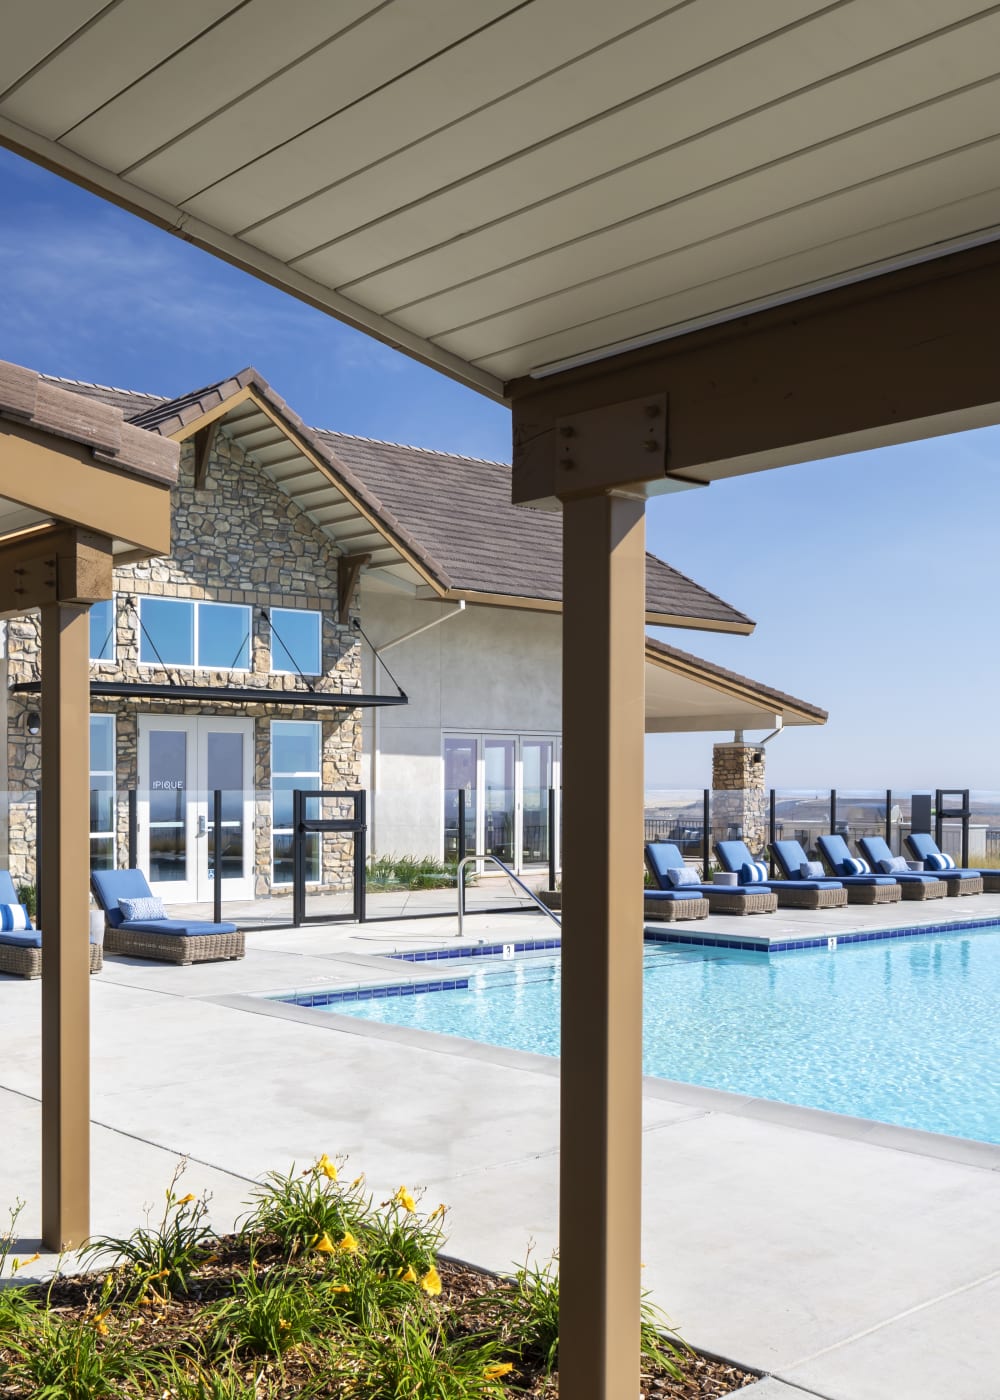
413, 447
112, 388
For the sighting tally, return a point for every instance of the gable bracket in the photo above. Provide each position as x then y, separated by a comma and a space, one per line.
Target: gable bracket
349, 567
204, 442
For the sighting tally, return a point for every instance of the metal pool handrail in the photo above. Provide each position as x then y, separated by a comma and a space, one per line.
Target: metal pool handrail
520, 884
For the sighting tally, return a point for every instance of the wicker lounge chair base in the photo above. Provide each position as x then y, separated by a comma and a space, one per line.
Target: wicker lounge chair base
811, 899
668, 911
175, 947
27, 962
960, 887
873, 894
924, 889
991, 882
727, 901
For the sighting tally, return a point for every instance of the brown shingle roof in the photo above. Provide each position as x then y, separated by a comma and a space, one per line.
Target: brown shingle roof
454, 512
96, 423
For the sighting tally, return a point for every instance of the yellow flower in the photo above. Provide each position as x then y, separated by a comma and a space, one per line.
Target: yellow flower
431, 1282
99, 1324
23, 1263
327, 1167
348, 1245
498, 1368
283, 1324
162, 1274
211, 1259
340, 1288
437, 1213
408, 1275
404, 1199
357, 1180
323, 1244
186, 1200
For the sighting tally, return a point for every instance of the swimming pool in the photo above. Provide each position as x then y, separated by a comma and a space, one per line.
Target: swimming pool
902, 1032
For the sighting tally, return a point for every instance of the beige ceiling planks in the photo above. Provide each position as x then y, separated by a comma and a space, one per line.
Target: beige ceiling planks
116, 50
362, 159
32, 31
249, 48
274, 145
815, 174
827, 108
728, 288
498, 138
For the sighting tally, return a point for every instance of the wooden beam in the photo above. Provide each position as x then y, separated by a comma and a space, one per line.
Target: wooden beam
903, 356
44, 473
204, 443
58, 565
349, 568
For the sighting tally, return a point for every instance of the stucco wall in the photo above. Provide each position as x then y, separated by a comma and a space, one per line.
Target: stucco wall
485, 670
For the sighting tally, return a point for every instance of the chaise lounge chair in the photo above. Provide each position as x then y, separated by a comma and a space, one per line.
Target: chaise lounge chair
877, 855
21, 950
792, 894
664, 856
182, 941
863, 888
923, 847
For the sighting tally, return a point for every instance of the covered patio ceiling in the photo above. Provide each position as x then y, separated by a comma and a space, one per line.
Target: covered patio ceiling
504, 189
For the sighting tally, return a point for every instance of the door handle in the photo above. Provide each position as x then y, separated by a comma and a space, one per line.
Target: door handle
202, 826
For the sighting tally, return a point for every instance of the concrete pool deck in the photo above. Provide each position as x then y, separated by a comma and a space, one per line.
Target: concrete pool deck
849, 1259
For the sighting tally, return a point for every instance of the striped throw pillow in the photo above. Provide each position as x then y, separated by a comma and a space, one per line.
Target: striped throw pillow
854, 865
938, 860
14, 918
753, 872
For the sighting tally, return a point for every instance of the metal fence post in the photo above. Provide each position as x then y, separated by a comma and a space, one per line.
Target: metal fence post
772, 832
552, 838
461, 849
888, 817
38, 858
298, 858
360, 855
217, 856
833, 811
706, 831
133, 829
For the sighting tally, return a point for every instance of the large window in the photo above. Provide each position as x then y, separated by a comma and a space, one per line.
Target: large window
176, 632
102, 630
296, 641
295, 763
102, 792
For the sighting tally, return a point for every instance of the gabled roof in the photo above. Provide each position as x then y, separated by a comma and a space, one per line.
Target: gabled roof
685, 693
449, 517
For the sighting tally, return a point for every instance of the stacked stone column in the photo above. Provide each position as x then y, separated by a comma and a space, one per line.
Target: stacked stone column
739, 797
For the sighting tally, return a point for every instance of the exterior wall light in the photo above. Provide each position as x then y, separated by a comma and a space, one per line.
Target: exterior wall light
33, 722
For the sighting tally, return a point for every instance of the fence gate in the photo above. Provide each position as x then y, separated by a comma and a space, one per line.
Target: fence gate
315, 816
960, 813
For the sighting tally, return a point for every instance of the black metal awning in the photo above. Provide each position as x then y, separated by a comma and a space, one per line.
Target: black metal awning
230, 695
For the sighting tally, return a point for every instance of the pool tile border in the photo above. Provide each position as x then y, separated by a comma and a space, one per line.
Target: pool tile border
794, 945
478, 950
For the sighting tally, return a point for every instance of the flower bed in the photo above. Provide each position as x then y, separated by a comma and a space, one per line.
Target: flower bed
319, 1293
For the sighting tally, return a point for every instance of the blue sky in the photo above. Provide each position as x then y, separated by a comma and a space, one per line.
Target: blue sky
871, 577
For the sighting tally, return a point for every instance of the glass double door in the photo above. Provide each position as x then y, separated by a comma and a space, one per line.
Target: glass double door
506, 780
182, 761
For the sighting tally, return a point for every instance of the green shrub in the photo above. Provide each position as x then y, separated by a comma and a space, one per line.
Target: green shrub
164, 1256
269, 1312
84, 1358
28, 896
410, 873
418, 1361
302, 1209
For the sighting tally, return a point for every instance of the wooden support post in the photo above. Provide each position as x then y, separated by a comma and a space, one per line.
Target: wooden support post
204, 441
601, 1068
65, 713
349, 567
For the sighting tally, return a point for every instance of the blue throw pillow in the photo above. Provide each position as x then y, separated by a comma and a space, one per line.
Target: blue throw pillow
854, 865
811, 870
14, 918
753, 872
896, 866
144, 909
683, 875
938, 860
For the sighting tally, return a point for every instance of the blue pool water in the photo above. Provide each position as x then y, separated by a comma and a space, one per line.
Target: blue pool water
902, 1032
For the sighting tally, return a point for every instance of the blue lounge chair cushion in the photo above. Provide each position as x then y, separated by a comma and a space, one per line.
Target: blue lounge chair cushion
674, 896
661, 858
878, 852
112, 885
682, 875
30, 938
191, 928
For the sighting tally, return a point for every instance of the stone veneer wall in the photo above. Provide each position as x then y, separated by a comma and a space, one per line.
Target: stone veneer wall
739, 799
239, 540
